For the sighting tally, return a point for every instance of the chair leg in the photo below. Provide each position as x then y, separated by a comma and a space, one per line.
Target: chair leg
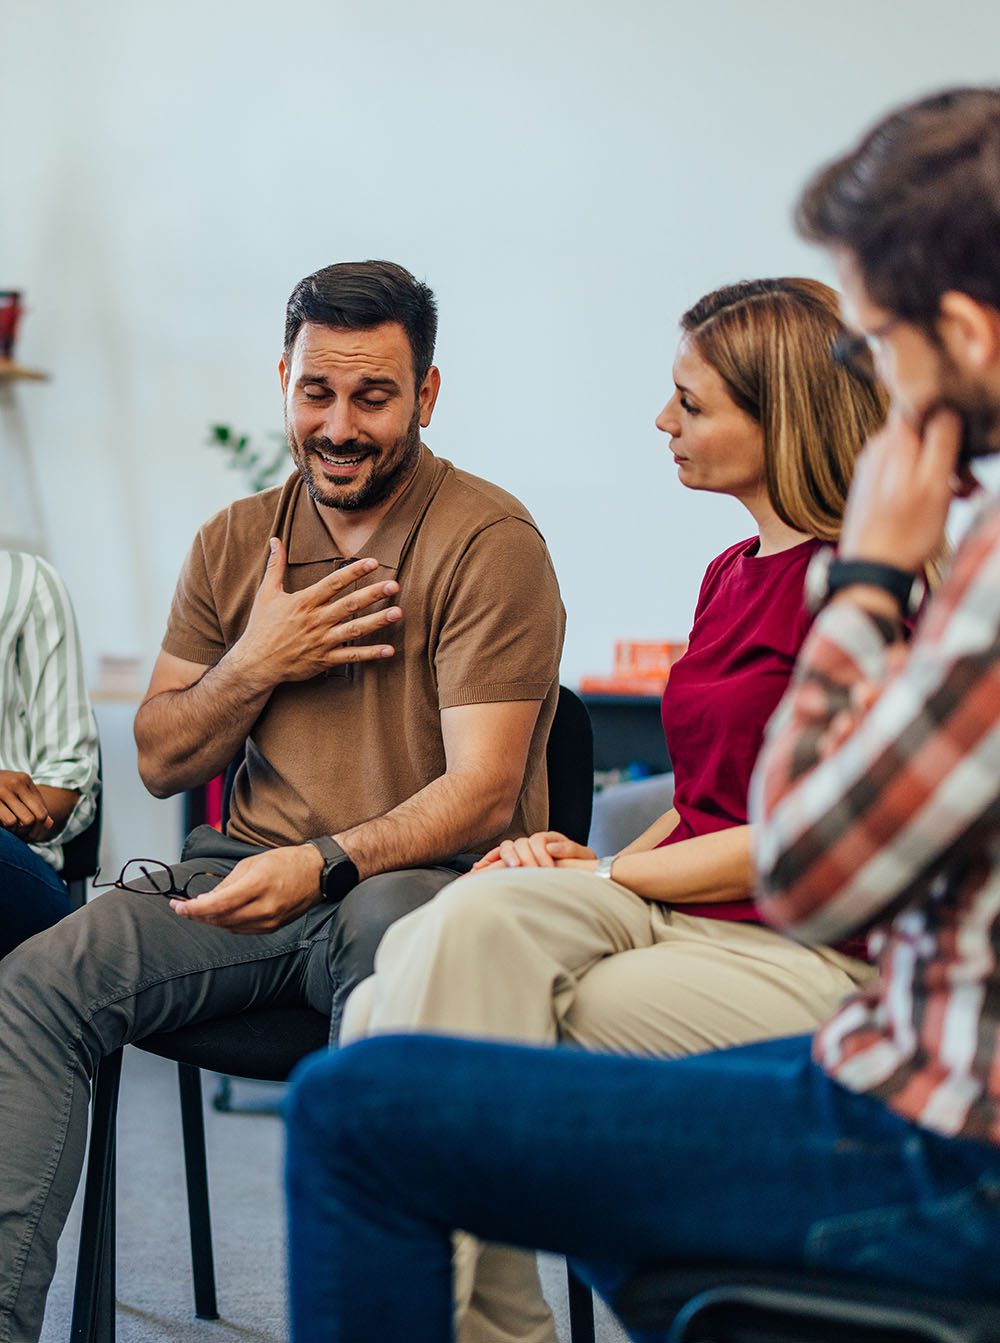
196, 1170
105, 1318
94, 1294
581, 1308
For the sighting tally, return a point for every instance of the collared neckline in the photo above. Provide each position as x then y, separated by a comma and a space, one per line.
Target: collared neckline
309, 542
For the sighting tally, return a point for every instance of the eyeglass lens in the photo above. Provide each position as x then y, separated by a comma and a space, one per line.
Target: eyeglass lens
143, 874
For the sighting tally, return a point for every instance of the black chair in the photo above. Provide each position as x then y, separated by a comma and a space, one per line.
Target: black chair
81, 854
744, 1303
264, 1045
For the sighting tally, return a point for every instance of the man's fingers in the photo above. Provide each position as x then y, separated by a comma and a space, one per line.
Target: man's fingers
365, 625
8, 821
232, 892
26, 804
328, 586
364, 653
358, 601
274, 572
942, 439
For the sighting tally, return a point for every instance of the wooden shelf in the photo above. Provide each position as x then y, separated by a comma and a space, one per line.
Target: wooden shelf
12, 372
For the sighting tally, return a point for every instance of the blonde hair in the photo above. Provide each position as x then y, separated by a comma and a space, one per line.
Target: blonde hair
772, 343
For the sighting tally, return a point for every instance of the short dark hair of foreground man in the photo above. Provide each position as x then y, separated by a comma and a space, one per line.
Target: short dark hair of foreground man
873, 1149
379, 639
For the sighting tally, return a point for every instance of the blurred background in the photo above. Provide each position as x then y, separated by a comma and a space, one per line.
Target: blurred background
568, 176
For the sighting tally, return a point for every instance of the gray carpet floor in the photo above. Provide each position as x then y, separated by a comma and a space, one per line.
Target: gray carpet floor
154, 1276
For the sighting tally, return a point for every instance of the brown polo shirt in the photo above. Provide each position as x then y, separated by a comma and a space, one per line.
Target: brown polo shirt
482, 623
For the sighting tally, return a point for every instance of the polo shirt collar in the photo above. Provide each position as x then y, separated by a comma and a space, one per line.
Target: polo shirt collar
309, 541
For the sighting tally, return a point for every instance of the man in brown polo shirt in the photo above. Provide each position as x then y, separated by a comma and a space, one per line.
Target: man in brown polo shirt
379, 639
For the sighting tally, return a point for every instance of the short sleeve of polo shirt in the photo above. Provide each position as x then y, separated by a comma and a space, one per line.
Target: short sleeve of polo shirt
502, 627
194, 631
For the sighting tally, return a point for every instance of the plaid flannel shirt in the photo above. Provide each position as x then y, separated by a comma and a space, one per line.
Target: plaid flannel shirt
896, 828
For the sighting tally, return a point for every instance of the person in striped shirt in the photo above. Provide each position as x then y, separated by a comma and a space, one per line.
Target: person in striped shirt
48, 745
872, 1148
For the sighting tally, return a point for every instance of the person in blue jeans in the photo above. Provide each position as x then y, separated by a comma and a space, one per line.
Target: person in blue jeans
874, 1147
746, 1154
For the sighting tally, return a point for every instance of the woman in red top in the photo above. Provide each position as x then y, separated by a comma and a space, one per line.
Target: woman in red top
657, 950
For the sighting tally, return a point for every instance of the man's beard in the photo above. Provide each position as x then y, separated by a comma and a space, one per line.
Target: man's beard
383, 480
978, 411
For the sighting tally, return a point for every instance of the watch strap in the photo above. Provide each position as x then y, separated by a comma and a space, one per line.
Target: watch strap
339, 874
604, 866
907, 588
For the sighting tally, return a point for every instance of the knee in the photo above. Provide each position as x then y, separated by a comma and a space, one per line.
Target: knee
337, 1100
379, 902
469, 914
29, 977
32, 990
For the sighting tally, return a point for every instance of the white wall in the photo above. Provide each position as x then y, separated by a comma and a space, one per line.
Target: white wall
568, 175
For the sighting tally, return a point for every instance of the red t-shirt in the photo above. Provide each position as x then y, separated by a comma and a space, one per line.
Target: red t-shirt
749, 625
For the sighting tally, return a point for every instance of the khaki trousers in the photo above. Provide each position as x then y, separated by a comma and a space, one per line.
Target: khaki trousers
540, 955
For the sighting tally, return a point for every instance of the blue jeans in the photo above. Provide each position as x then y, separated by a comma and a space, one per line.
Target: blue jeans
33, 896
750, 1154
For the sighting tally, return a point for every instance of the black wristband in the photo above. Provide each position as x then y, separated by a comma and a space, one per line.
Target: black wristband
907, 588
827, 575
339, 874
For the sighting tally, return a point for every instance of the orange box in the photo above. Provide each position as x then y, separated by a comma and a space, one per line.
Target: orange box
622, 685
639, 658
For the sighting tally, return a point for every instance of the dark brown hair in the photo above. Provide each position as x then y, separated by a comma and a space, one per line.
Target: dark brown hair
917, 204
360, 295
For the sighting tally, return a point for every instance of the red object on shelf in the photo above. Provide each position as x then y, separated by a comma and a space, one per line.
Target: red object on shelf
641, 668
639, 658
622, 685
10, 314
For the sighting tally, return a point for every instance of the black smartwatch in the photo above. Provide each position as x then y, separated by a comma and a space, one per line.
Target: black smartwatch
828, 575
339, 874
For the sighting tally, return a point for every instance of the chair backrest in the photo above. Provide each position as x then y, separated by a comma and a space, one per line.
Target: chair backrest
569, 764
569, 760
81, 854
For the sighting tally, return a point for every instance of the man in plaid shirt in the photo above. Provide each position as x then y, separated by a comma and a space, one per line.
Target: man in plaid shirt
873, 1149
878, 792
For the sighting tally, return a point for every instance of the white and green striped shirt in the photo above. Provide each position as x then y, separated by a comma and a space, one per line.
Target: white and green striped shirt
47, 727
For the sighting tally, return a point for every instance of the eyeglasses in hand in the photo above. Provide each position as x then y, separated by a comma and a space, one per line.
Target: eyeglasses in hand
148, 876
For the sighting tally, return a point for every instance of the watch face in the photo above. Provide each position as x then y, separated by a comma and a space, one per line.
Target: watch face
817, 578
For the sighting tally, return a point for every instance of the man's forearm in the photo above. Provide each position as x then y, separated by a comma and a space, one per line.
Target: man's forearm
188, 736
456, 813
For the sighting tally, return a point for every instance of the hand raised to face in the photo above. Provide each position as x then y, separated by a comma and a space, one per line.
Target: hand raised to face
901, 492
292, 636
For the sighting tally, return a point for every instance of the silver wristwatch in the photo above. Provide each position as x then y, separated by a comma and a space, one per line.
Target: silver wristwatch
604, 866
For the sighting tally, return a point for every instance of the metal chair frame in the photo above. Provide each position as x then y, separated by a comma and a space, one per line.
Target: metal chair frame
745, 1303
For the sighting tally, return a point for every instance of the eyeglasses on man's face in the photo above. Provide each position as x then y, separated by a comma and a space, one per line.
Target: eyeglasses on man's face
860, 351
148, 876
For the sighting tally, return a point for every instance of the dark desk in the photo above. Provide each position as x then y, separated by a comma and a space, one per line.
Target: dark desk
627, 730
